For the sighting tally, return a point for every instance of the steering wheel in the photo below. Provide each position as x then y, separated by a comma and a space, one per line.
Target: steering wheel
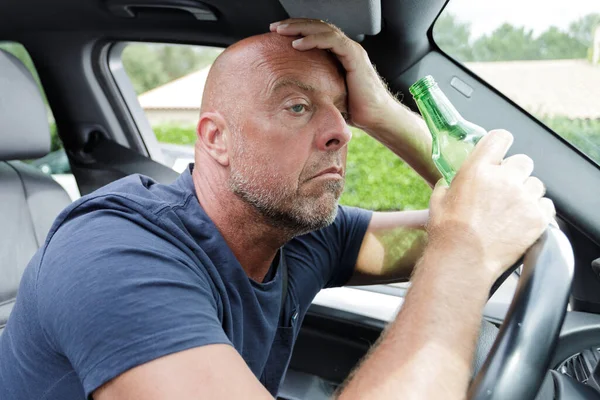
518, 361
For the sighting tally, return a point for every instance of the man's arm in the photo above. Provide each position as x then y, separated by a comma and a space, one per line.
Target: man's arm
391, 247
406, 134
208, 372
436, 322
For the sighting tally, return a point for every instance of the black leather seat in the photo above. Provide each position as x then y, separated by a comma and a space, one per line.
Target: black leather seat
29, 199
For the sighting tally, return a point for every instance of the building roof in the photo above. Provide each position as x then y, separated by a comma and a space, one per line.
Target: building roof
568, 88
182, 93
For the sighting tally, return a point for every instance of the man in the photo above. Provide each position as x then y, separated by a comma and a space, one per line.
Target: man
174, 292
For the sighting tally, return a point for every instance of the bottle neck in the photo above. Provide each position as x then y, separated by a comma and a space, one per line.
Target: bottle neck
437, 110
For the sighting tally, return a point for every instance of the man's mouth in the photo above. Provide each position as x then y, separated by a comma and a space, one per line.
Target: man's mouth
330, 173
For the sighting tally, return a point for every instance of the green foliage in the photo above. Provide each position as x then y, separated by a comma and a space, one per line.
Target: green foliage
508, 42
584, 134
554, 44
55, 142
176, 134
152, 65
377, 179
453, 36
583, 28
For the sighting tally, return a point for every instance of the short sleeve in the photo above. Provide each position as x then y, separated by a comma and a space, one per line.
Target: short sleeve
113, 293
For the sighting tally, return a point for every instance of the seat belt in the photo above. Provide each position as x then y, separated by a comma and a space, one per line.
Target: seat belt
111, 155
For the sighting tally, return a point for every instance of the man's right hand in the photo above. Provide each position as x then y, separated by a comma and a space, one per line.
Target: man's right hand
494, 210
489, 216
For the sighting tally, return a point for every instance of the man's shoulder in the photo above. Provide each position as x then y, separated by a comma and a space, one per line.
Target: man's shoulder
134, 202
137, 192
124, 220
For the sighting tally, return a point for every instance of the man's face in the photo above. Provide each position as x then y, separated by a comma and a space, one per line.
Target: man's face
290, 139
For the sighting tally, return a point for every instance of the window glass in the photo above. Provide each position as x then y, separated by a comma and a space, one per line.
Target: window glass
56, 162
545, 56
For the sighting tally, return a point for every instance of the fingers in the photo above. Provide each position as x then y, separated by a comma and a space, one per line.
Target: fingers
305, 21
492, 148
304, 28
319, 34
535, 187
274, 25
335, 41
519, 165
332, 40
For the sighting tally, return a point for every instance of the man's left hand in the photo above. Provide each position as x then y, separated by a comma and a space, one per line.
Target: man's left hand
368, 97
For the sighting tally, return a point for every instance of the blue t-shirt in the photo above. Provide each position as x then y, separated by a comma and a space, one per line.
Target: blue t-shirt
136, 271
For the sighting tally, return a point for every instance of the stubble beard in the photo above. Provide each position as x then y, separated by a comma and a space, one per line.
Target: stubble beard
281, 205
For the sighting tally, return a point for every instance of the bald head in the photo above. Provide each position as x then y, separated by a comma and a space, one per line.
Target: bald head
272, 120
233, 76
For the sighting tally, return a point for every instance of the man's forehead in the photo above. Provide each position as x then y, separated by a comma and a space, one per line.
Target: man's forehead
270, 61
300, 71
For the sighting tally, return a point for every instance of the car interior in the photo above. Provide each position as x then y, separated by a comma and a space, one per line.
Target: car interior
548, 347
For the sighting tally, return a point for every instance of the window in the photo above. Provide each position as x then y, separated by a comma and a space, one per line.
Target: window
546, 58
56, 163
168, 80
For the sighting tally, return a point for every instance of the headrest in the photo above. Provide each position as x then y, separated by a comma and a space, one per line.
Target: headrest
24, 131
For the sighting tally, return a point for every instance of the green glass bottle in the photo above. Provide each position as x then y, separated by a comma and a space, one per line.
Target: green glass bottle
453, 137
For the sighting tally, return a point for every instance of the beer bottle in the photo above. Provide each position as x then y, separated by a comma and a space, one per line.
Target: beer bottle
453, 137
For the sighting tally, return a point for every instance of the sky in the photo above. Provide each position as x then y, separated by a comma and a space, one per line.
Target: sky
486, 15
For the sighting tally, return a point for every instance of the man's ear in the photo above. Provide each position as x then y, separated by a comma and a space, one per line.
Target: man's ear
213, 136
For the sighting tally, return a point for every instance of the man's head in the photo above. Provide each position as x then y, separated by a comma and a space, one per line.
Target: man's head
272, 122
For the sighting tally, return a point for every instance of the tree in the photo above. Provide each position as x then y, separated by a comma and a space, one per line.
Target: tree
453, 37
152, 65
144, 67
583, 28
554, 44
506, 43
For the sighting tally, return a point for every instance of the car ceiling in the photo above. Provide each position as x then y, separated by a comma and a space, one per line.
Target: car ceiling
402, 41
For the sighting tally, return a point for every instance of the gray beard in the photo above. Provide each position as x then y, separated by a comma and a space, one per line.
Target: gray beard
295, 216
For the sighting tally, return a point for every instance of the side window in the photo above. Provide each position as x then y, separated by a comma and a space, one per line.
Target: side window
547, 62
56, 163
168, 80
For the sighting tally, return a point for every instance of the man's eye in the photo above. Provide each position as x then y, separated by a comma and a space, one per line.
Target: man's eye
298, 108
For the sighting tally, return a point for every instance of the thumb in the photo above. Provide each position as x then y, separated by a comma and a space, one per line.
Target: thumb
439, 191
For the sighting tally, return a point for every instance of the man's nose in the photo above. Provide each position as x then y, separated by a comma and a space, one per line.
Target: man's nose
336, 133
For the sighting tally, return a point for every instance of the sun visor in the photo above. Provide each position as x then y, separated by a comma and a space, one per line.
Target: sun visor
355, 17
